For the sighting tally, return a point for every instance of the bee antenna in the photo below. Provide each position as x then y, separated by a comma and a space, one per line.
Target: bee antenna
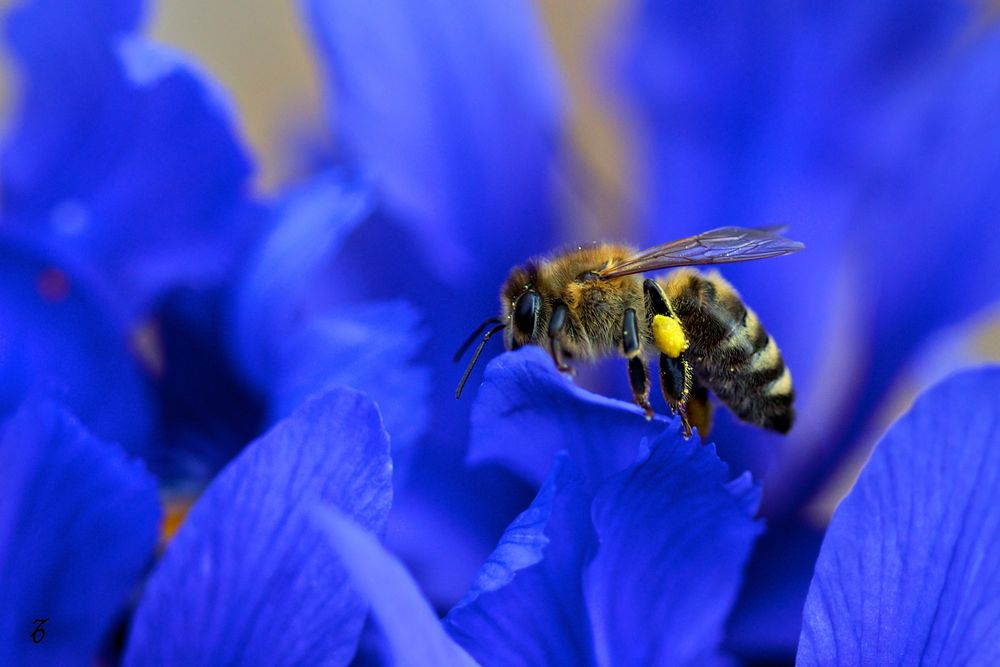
475, 356
472, 337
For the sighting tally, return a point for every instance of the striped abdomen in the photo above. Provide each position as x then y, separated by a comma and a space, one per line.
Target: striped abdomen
729, 350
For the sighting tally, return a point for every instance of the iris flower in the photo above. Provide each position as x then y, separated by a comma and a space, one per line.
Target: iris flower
136, 252
148, 295
905, 573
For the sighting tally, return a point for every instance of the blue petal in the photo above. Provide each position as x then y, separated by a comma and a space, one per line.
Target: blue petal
766, 621
247, 578
526, 605
293, 341
456, 109
409, 624
283, 269
674, 536
113, 129
58, 331
942, 185
908, 571
526, 411
735, 132
78, 524
371, 348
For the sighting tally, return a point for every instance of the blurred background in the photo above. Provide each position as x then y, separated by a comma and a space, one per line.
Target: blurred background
260, 53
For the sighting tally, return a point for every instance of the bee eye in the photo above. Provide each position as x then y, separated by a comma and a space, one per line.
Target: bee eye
526, 312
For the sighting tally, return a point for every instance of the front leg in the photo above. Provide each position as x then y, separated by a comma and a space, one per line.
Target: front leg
557, 324
638, 372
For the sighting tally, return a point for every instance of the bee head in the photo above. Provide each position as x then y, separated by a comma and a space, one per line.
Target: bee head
521, 305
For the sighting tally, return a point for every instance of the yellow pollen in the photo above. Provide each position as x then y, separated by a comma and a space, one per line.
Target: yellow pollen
669, 336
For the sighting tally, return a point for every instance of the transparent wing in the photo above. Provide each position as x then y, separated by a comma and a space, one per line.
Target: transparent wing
718, 246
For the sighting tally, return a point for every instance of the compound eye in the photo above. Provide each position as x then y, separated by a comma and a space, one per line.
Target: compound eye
526, 312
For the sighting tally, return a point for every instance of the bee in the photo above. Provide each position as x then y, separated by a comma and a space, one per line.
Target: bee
590, 302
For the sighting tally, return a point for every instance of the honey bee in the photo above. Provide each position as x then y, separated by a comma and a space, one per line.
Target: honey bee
589, 303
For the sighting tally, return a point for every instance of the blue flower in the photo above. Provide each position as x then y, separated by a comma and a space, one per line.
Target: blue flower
247, 578
907, 573
465, 167
578, 577
58, 329
77, 530
457, 114
122, 153
143, 270
290, 334
122, 178
221, 316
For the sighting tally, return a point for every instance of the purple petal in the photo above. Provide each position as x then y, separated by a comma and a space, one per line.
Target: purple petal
907, 572
411, 629
526, 605
526, 411
111, 130
58, 331
674, 536
247, 578
78, 524
455, 107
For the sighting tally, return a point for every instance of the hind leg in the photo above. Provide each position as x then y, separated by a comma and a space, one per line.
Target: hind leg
699, 409
676, 381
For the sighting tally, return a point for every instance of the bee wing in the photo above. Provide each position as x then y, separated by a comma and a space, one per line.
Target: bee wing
718, 246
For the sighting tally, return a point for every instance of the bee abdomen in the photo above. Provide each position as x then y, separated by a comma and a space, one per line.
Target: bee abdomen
731, 352
759, 391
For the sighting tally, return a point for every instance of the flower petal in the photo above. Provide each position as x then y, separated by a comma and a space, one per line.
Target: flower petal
284, 268
526, 605
371, 348
58, 330
674, 536
293, 341
407, 621
464, 159
78, 523
526, 411
113, 129
941, 183
247, 577
907, 572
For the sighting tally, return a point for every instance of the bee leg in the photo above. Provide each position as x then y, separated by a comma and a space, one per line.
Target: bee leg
656, 300
556, 325
638, 377
638, 373
699, 409
676, 380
